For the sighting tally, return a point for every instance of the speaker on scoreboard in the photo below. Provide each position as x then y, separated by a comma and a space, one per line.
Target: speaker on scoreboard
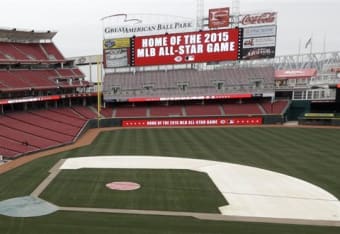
337, 97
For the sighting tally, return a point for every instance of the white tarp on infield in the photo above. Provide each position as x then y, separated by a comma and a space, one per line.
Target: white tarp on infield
250, 191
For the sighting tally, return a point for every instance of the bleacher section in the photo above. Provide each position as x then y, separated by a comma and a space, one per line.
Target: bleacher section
176, 83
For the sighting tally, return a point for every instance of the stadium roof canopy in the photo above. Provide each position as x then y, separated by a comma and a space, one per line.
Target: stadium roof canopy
16, 35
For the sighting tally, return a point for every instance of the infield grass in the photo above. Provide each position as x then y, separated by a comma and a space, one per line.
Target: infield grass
170, 190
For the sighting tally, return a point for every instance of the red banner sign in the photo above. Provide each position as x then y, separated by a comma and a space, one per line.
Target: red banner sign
298, 73
206, 97
45, 98
191, 122
193, 47
219, 17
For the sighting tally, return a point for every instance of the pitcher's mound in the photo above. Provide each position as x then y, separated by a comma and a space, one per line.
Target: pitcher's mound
123, 186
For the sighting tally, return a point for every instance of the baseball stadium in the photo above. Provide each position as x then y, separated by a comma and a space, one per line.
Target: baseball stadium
181, 125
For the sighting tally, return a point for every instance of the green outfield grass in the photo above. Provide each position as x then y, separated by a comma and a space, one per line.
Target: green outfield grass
309, 154
171, 190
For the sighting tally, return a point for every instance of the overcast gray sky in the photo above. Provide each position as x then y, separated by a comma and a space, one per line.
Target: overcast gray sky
80, 29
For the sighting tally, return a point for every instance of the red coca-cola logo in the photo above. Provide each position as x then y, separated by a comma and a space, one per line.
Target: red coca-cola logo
264, 18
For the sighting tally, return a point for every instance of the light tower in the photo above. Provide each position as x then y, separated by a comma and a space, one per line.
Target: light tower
199, 14
235, 12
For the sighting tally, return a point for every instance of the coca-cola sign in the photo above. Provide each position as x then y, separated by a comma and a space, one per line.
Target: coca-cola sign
258, 19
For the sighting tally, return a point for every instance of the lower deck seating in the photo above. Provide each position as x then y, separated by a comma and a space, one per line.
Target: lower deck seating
106, 112
25, 132
276, 107
203, 110
170, 111
26, 138
242, 109
58, 115
14, 147
85, 112
131, 111
34, 129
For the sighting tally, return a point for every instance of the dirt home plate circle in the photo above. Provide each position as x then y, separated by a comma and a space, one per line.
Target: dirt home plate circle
123, 186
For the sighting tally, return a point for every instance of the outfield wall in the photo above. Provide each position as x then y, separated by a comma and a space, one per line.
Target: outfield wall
185, 121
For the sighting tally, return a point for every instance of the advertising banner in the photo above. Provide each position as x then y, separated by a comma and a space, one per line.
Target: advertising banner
258, 53
264, 31
45, 98
116, 58
116, 52
219, 17
259, 42
193, 47
192, 122
116, 43
297, 73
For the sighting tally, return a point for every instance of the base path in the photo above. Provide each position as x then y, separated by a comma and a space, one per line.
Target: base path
203, 216
53, 173
251, 192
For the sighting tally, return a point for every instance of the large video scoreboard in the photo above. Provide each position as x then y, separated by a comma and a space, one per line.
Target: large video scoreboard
255, 38
178, 48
